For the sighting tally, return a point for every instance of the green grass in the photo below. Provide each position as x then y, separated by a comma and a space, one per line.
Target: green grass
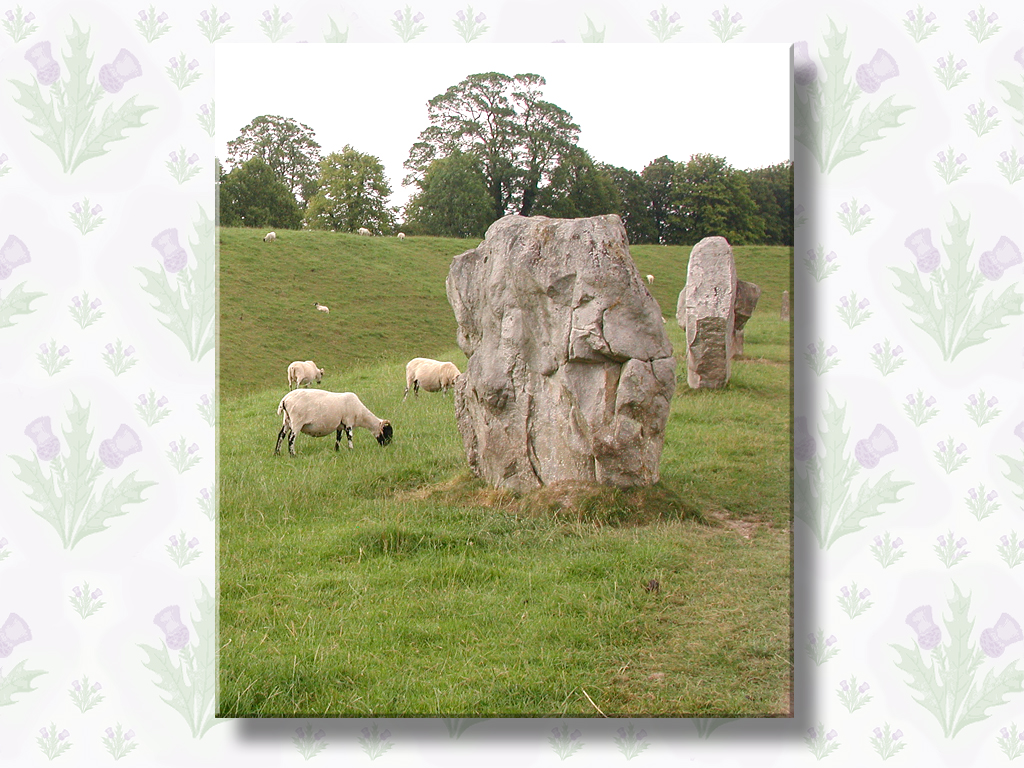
389, 582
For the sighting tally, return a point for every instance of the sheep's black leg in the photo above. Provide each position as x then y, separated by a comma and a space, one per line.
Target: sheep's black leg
348, 433
291, 442
280, 437
337, 440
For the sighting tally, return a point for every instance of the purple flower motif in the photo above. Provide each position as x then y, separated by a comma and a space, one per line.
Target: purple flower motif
205, 494
161, 402
878, 733
461, 15
110, 733
204, 16
831, 640
961, 64
992, 18
869, 451
44, 349
941, 156
878, 349
204, 399
174, 256
812, 348
415, 20
898, 543
863, 687
76, 301
96, 686
1019, 56
897, 351
831, 351
77, 207
716, 15
44, 733
124, 443
1004, 733
864, 593
193, 543
942, 446
942, 63
479, 18
286, 18
882, 67
319, 735
1004, 541
961, 158
94, 303
77, 591
195, 62
972, 15
174, 541
878, 541
193, 448
204, 109
385, 735
972, 109
845, 207
174, 62
973, 399
169, 621
927, 255
300, 733
110, 349
805, 71
78, 686
995, 639
63, 735
961, 448
124, 67
813, 733
1004, 254
640, 735
267, 16
928, 632
41, 433
224, 17
366, 731
173, 156
41, 58
193, 158
96, 594
1019, 431
831, 735
831, 257
864, 210
911, 399
736, 17
992, 495
13, 632
142, 400
846, 593
991, 112
844, 301
174, 446
13, 254
862, 303
129, 351
929, 18
130, 735
929, 402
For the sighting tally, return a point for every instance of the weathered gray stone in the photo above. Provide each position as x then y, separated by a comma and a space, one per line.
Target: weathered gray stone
706, 311
570, 372
747, 294
784, 312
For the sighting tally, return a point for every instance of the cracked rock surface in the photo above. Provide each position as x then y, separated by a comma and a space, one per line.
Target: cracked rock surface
570, 372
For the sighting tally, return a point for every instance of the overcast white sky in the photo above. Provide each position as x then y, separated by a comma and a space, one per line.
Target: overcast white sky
633, 103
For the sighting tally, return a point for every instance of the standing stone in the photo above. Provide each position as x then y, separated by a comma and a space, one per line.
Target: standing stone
706, 311
747, 294
570, 372
784, 312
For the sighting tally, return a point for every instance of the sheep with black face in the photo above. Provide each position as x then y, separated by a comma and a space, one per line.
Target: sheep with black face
318, 413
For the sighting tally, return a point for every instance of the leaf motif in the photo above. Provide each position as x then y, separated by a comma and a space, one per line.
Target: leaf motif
170, 303
43, 115
205, 682
43, 493
924, 680
111, 504
171, 679
869, 499
111, 128
18, 680
991, 694
1016, 473
923, 304
16, 303
868, 127
1014, 98
993, 315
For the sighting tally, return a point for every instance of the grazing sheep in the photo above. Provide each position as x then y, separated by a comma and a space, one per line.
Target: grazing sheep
401, 235
429, 375
270, 237
364, 232
321, 307
650, 279
319, 413
300, 373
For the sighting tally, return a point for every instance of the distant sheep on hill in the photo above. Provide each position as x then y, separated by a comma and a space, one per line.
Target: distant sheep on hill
270, 237
318, 413
401, 235
650, 279
300, 373
429, 375
364, 232
321, 307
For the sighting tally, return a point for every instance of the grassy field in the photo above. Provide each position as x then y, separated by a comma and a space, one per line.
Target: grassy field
389, 582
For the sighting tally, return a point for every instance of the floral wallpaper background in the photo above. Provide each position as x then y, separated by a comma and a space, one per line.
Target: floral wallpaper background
908, 126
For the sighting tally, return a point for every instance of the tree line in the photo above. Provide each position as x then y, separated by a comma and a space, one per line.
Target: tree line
493, 146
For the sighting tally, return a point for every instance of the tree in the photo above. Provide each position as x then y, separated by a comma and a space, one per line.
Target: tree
251, 195
771, 188
578, 188
287, 146
517, 137
657, 176
352, 193
634, 203
709, 197
452, 201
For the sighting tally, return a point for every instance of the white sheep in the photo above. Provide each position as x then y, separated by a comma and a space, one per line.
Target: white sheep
270, 237
319, 413
300, 373
650, 279
364, 232
401, 235
429, 375
321, 307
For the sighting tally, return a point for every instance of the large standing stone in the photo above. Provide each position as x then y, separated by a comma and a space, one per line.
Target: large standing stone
706, 310
747, 294
570, 372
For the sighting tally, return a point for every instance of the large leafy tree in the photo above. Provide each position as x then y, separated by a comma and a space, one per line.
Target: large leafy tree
709, 197
658, 177
516, 136
772, 191
452, 201
352, 193
287, 146
577, 188
634, 204
252, 195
